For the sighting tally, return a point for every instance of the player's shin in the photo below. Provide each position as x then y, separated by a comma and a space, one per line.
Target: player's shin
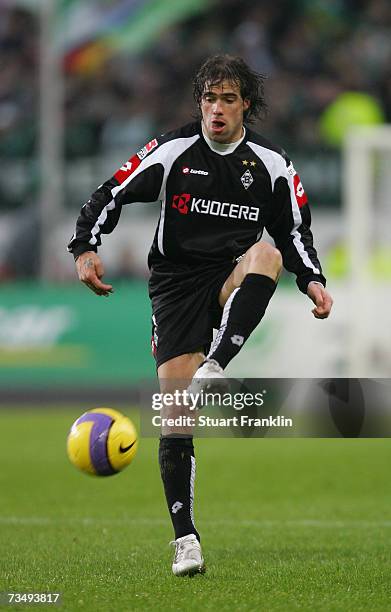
243, 311
177, 469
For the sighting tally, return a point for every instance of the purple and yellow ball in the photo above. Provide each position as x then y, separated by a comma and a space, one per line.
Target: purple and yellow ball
102, 442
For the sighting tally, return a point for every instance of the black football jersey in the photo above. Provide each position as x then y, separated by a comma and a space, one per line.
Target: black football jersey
215, 203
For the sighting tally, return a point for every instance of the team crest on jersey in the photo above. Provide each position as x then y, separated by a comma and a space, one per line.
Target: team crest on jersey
147, 149
291, 169
247, 179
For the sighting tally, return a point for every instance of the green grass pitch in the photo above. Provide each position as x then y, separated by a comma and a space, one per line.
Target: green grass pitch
300, 524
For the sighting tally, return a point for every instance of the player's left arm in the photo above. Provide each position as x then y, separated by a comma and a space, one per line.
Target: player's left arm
321, 298
289, 224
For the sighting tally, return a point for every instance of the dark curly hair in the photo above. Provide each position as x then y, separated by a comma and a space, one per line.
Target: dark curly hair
220, 68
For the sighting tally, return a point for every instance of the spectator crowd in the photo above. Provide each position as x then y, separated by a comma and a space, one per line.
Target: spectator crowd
309, 50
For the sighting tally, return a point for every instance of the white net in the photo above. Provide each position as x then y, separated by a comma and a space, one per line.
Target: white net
367, 199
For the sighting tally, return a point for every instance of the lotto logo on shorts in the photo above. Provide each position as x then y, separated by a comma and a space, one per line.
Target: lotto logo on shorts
180, 202
154, 337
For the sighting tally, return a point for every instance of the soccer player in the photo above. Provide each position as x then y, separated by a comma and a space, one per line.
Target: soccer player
220, 184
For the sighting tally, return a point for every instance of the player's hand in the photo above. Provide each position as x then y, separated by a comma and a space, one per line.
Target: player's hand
90, 270
322, 300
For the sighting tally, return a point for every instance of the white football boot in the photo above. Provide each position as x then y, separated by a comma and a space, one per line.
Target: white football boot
188, 559
209, 378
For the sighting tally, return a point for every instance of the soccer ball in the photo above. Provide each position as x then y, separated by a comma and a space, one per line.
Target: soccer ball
102, 442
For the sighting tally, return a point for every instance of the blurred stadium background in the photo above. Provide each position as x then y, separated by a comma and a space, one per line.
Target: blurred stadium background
84, 84
287, 524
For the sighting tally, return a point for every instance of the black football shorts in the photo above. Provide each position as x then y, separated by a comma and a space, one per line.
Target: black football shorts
185, 308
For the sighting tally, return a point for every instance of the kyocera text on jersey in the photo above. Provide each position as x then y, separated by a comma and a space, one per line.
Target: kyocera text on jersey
224, 209
214, 207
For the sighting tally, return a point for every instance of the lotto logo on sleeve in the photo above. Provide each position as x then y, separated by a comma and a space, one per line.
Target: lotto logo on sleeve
180, 202
301, 196
127, 169
130, 166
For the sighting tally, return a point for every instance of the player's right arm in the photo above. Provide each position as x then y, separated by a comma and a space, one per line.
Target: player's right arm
138, 180
90, 270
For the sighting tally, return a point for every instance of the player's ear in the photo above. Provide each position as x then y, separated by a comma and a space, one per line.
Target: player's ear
246, 104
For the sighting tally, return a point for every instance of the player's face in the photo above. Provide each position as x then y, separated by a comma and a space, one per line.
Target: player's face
222, 109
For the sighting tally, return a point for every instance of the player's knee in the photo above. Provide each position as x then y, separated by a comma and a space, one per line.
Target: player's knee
265, 258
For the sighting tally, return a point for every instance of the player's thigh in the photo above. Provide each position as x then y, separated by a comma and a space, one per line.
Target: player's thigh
233, 281
261, 258
181, 368
175, 376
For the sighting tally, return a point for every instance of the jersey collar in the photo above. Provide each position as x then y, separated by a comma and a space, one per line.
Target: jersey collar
219, 147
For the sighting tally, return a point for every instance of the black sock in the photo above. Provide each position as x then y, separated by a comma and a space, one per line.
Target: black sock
243, 311
177, 469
